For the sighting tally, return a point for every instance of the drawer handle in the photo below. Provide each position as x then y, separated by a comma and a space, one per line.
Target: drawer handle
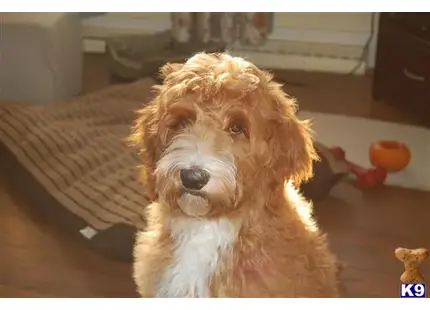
413, 76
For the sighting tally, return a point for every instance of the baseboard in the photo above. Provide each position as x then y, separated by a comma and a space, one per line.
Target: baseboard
304, 63
273, 60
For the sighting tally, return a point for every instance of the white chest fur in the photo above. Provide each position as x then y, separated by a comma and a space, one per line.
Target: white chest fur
198, 246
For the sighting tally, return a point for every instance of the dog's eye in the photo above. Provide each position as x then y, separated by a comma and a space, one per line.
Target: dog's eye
236, 129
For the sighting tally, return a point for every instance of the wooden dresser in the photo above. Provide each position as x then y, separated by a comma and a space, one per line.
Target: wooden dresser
402, 70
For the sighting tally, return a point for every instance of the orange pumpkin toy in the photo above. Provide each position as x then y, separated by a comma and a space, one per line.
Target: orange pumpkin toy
393, 156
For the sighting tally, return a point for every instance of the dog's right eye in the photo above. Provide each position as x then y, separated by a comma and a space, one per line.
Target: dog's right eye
235, 129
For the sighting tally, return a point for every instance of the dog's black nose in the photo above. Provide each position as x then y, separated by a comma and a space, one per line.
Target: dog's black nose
194, 178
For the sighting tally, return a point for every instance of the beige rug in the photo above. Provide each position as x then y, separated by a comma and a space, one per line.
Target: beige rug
355, 135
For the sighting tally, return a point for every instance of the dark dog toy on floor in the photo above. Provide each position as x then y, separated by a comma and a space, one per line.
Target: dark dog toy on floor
330, 179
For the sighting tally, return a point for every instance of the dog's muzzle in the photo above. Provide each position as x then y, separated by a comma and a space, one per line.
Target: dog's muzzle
197, 176
193, 201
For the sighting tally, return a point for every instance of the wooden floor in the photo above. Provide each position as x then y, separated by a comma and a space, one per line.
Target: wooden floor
38, 260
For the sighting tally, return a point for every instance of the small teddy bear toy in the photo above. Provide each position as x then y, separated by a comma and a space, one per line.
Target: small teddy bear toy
412, 258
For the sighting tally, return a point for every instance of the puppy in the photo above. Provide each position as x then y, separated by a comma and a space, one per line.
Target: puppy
222, 152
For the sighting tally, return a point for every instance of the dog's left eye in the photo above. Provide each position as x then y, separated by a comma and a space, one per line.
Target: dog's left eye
236, 129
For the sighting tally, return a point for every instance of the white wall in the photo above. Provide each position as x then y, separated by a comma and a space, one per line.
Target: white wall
350, 28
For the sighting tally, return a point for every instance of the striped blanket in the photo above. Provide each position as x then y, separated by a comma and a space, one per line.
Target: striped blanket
74, 156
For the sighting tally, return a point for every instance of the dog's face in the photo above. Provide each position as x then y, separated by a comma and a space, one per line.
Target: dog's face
219, 132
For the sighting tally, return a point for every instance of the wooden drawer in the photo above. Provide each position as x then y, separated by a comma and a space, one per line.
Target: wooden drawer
402, 73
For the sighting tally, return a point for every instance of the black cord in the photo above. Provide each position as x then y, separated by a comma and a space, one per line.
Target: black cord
365, 52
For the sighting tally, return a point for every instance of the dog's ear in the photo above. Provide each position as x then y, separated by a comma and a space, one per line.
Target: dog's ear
292, 141
145, 138
168, 69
